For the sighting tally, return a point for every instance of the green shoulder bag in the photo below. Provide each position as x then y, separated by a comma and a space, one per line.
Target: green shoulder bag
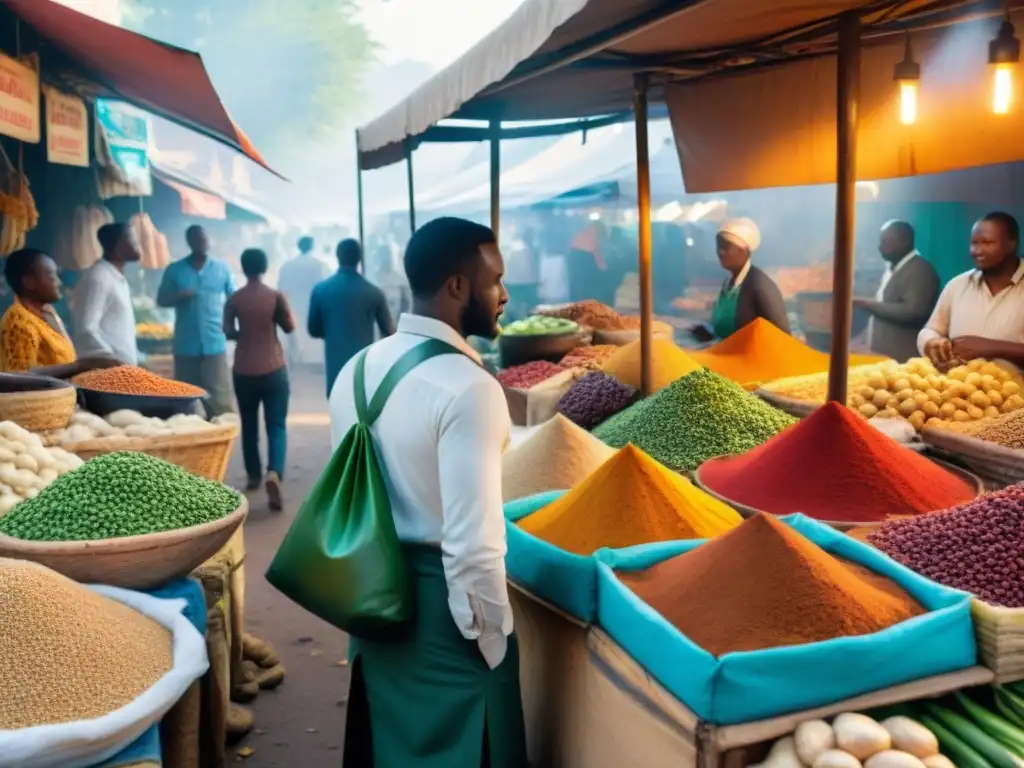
341, 559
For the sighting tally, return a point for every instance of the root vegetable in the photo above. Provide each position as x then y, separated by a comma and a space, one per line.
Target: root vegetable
911, 737
836, 758
892, 758
27, 462
859, 735
938, 761
783, 755
813, 738
125, 418
7, 503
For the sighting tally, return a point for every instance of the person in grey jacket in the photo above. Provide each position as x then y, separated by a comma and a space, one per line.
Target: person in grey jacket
905, 298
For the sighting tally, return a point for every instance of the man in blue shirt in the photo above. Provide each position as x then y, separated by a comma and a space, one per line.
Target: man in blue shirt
197, 288
344, 309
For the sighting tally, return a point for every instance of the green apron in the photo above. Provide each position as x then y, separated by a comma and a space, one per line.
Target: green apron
723, 316
430, 700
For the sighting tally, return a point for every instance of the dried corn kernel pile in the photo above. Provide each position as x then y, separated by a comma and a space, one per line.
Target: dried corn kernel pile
918, 392
68, 653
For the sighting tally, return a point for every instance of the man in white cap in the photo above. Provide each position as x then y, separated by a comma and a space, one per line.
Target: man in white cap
748, 293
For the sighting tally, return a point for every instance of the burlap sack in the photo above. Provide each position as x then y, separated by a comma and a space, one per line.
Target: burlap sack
216, 691
542, 399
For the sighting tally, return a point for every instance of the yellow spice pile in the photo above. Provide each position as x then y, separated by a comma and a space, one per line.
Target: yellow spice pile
68, 653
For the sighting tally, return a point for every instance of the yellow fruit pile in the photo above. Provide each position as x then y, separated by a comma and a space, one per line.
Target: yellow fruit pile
917, 391
156, 331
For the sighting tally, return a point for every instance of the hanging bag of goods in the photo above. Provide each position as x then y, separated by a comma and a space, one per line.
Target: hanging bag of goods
777, 616
87, 670
341, 559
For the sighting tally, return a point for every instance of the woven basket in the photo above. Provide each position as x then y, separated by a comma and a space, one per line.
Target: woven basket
746, 511
40, 410
132, 562
987, 459
1000, 635
203, 453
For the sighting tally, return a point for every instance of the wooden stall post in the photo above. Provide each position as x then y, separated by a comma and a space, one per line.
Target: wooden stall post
359, 192
496, 178
847, 105
643, 202
412, 188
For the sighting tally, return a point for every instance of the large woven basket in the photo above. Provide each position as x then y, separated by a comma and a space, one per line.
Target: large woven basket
132, 562
987, 459
1000, 635
39, 410
204, 453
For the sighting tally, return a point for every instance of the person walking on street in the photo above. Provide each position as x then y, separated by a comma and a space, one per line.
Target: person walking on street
251, 318
296, 280
446, 693
103, 318
197, 288
344, 309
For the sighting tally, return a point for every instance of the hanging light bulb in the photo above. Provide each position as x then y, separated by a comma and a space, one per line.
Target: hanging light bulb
907, 75
1003, 55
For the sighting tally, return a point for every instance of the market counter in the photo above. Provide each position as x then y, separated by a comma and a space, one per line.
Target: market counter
587, 704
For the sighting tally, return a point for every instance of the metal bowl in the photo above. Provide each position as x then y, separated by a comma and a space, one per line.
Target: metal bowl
158, 406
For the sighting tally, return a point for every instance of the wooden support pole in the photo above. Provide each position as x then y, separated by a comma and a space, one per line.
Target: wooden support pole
847, 106
412, 188
643, 202
359, 193
496, 178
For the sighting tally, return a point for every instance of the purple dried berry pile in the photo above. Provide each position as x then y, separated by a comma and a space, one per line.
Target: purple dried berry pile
593, 398
977, 547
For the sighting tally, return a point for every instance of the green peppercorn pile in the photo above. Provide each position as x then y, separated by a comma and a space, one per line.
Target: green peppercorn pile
697, 417
119, 494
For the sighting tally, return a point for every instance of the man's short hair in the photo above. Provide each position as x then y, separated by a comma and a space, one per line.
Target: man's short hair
442, 248
254, 262
1007, 222
110, 235
349, 252
306, 244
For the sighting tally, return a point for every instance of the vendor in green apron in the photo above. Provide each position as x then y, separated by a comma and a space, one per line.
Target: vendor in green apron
445, 694
748, 293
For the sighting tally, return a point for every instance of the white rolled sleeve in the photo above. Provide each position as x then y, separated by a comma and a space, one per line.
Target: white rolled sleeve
473, 433
937, 326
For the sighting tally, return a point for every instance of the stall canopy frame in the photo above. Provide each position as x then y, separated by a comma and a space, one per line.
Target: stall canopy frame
559, 59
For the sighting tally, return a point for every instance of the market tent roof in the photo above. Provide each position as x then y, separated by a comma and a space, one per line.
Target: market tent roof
163, 79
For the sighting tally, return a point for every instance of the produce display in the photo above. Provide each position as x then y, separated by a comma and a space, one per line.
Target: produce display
557, 456
833, 466
77, 247
975, 547
763, 585
814, 278
918, 392
589, 357
528, 374
132, 380
154, 331
760, 352
698, 417
1006, 430
18, 213
119, 494
85, 426
628, 500
540, 325
668, 363
27, 466
153, 246
595, 315
68, 653
593, 398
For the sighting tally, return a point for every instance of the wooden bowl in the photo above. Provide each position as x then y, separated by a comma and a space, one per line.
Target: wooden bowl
36, 403
131, 562
516, 350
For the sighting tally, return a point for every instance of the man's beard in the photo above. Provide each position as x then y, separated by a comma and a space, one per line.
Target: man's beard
477, 320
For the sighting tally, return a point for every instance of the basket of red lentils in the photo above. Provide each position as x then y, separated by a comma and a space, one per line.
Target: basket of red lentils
128, 387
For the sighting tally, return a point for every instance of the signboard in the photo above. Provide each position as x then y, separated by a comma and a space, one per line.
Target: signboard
67, 129
127, 132
134, 163
19, 101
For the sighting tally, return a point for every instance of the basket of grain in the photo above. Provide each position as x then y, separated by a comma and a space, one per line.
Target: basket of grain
988, 459
124, 519
37, 403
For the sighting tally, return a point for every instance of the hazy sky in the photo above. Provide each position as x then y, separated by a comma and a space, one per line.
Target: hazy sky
435, 31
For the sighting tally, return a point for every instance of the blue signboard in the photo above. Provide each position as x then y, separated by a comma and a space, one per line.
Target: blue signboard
127, 132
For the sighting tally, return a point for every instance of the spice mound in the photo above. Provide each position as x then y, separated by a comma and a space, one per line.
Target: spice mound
131, 380
694, 419
763, 585
557, 456
68, 653
593, 314
668, 363
590, 358
528, 374
119, 494
629, 500
759, 352
975, 547
835, 466
593, 398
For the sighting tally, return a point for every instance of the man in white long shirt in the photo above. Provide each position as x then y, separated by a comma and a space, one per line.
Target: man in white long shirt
296, 280
448, 694
103, 318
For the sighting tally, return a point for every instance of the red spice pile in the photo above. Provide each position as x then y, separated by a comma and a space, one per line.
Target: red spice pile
528, 374
834, 466
763, 585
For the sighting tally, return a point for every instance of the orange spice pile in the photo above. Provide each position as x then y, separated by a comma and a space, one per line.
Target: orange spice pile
131, 380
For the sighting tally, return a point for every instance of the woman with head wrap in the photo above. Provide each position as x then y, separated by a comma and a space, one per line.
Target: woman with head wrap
748, 293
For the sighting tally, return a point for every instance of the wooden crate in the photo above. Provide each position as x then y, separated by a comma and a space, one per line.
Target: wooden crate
588, 704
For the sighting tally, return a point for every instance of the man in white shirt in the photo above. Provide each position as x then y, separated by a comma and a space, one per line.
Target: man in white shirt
103, 318
447, 695
296, 280
981, 312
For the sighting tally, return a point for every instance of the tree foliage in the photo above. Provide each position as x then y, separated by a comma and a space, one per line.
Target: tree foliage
288, 70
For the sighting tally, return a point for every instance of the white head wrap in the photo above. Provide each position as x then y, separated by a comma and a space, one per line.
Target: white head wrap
743, 232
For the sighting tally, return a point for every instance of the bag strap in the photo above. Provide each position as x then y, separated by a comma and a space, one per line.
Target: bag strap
418, 354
